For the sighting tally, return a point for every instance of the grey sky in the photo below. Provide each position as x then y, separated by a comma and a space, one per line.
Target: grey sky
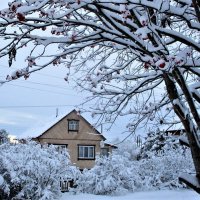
43, 88
20, 98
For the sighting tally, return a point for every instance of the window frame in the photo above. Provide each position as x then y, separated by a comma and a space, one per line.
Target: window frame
84, 147
59, 147
69, 128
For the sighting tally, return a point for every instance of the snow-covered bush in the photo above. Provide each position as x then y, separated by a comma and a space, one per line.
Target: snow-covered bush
162, 159
111, 175
32, 171
3, 136
162, 171
159, 167
157, 143
129, 149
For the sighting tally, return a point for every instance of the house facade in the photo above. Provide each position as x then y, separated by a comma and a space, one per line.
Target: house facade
74, 133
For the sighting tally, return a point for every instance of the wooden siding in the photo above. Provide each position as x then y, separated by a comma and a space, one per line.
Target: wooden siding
86, 135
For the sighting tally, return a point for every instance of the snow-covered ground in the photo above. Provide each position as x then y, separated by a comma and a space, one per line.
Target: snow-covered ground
153, 195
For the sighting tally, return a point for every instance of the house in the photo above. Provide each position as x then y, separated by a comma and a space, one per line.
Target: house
74, 133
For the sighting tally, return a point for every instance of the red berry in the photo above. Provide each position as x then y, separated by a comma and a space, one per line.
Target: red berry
20, 17
42, 13
146, 65
13, 8
162, 65
73, 37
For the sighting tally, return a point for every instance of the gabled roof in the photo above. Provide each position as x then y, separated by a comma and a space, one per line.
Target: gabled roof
38, 133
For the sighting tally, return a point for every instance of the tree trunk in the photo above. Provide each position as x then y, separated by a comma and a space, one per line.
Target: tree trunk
184, 116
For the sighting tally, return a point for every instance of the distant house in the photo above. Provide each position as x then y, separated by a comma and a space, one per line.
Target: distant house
175, 132
78, 136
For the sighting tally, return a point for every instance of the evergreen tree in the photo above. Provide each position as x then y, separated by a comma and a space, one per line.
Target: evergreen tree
3, 136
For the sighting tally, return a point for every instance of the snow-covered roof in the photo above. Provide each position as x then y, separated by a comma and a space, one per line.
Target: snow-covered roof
42, 127
111, 145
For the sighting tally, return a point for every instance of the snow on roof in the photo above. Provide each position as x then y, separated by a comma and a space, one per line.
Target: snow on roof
167, 127
111, 145
41, 127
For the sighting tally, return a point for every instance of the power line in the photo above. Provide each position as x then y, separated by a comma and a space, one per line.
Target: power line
45, 84
40, 83
48, 75
62, 87
42, 74
37, 106
43, 90
40, 106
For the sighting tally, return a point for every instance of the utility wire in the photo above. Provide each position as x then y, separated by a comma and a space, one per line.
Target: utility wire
49, 75
43, 90
39, 83
37, 106
45, 84
42, 74
40, 106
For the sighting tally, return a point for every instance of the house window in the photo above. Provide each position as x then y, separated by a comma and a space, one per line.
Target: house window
73, 125
61, 148
86, 152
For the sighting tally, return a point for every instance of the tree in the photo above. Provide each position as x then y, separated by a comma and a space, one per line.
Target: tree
158, 143
158, 167
124, 50
3, 136
32, 171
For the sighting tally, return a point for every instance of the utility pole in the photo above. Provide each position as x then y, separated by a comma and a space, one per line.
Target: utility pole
56, 112
101, 128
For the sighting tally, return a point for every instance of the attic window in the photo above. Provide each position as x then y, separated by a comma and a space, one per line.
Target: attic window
73, 125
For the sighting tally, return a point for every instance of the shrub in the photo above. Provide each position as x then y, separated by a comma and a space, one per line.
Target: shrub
122, 172
32, 171
110, 175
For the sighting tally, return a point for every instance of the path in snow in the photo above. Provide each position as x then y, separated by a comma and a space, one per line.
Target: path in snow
151, 195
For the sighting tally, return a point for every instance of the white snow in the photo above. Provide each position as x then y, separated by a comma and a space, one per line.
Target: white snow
41, 127
1, 180
150, 195
191, 179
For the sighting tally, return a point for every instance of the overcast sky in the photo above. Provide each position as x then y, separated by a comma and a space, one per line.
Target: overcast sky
47, 89
25, 104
